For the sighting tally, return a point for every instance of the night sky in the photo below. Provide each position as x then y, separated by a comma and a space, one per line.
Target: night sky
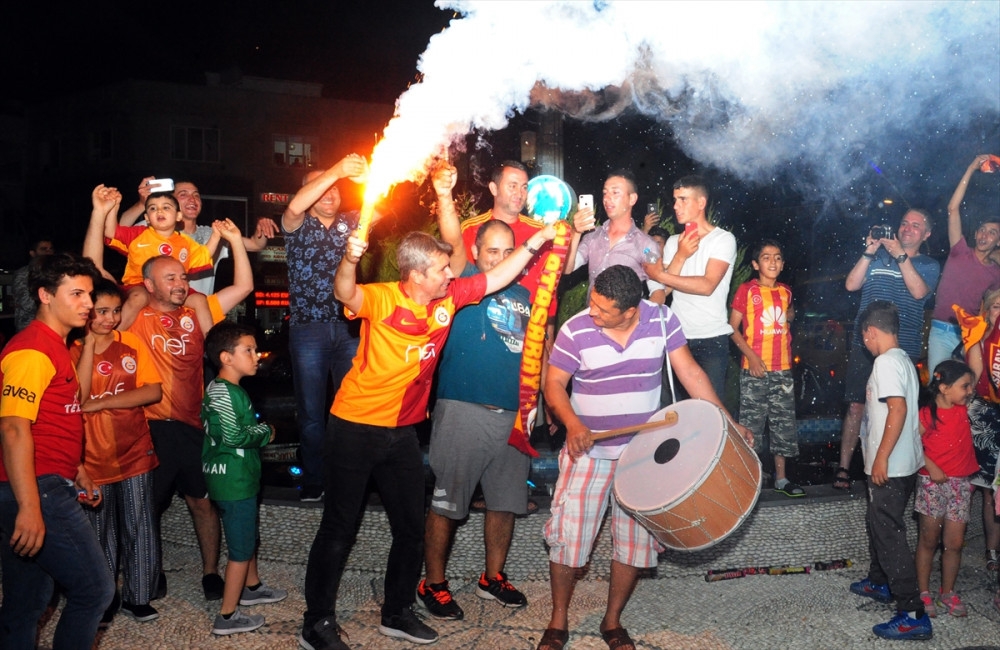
369, 50
362, 50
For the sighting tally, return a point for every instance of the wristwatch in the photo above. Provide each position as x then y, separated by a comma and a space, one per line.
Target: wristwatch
902, 257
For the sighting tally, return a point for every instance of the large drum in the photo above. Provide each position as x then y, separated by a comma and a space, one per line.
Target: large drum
691, 484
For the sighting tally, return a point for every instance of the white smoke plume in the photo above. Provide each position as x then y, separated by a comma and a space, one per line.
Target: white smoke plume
755, 89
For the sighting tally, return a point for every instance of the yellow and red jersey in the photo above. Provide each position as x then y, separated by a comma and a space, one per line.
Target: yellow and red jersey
141, 243
389, 382
765, 322
39, 384
118, 442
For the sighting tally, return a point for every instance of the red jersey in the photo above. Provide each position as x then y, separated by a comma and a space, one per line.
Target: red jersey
948, 442
40, 385
389, 382
118, 442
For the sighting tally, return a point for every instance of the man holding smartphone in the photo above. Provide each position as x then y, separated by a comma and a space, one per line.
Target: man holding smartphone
698, 266
616, 241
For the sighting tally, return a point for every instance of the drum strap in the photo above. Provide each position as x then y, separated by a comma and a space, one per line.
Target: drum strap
666, 355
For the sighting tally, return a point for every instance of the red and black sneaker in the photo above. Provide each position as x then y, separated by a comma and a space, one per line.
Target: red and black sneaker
500, 590
437, 600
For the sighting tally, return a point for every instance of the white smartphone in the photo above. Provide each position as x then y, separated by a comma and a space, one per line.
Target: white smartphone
586, 201
161, 185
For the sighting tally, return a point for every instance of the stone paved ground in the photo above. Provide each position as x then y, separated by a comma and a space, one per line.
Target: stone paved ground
678, 612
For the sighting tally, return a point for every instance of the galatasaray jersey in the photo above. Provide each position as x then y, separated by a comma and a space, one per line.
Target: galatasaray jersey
176, 346
523, 229
389, 382
140, 243
40, 385
118, 442
765, 322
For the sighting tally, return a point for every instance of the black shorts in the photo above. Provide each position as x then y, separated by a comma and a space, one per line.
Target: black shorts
178, 446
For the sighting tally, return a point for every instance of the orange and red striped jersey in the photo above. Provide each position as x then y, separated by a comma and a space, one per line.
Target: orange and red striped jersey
389, 382
765, 322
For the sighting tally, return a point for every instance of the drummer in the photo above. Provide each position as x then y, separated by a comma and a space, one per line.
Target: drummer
622, 338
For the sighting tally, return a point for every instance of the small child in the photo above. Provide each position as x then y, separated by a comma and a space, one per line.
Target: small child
890, 442
762, 309
142, 243
944, 491
231, 463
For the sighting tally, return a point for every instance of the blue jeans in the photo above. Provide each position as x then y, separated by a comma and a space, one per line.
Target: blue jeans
942, 339
319, 351
354, 453
70, 555
713, 357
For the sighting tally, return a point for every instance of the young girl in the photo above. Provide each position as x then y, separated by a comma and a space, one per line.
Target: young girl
116, 380
944, 491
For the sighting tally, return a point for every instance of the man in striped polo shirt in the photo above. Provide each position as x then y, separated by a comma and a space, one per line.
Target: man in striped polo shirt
890, 268
613, 353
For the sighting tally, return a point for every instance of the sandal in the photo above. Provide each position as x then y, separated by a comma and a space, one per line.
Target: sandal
553, 639
842, 479
791, 490
618, 639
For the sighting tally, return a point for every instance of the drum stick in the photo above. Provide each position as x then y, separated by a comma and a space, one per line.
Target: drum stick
669, 419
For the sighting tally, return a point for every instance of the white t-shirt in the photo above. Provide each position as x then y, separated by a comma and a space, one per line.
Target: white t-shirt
893, 375
704, 317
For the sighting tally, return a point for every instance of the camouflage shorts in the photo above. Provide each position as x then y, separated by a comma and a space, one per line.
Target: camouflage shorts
770, 399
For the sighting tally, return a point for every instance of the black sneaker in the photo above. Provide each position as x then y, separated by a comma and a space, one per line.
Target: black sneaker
311, 493
324, 635
437, 600
500, 590
406, 625
141, 613
213, 586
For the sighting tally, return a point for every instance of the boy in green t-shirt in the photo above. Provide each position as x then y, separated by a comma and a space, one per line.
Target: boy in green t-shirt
231, 463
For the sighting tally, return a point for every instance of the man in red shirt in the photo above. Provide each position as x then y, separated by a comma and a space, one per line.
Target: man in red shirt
44, 534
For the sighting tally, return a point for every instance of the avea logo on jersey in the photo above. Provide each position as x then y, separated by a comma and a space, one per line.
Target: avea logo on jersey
19, 392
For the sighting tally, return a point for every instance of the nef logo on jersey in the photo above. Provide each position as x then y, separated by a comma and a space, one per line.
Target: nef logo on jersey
187, 323
128, 365
166, 321
104, 368
441, 316
165, 249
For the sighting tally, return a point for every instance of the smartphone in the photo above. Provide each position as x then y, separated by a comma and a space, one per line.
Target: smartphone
586, 201
161, 185
650, 208
690, 227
